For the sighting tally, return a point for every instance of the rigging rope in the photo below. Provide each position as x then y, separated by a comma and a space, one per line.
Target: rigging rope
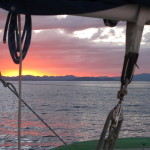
112, 125
133, 38
11, 27
12, 88
18, 47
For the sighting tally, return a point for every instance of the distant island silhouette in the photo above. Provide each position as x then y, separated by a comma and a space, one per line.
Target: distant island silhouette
139, 77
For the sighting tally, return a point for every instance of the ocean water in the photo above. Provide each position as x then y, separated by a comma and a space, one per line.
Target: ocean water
75, 110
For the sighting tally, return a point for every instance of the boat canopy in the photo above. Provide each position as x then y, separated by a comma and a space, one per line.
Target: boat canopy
58, 7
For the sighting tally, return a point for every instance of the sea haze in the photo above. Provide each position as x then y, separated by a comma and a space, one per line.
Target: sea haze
76, 110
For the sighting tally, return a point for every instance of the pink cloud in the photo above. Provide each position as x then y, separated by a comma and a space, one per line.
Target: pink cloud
61, 53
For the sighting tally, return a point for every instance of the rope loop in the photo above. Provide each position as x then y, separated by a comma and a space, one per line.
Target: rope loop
11, 27
112, 125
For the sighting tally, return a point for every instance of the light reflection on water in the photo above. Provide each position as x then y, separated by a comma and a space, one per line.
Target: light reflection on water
75, 110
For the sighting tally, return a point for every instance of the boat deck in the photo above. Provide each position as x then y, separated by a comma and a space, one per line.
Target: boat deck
122, 144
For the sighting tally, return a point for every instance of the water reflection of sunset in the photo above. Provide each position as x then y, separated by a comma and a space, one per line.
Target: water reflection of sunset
32, 131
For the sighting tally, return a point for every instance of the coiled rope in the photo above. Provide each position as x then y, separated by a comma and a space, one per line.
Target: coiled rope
11, 27
18, 46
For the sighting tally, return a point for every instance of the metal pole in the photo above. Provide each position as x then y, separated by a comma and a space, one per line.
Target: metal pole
20, 85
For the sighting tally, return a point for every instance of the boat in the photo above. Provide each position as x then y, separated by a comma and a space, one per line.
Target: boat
135, 13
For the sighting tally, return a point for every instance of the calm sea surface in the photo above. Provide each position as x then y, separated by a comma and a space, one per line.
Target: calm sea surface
75, 110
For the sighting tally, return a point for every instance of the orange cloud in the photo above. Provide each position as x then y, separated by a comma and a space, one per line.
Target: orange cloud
55, 52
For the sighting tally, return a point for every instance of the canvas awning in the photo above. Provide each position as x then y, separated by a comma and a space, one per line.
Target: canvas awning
57, 7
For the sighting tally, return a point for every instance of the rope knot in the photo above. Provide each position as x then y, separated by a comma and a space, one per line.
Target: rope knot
122, 93
123, 90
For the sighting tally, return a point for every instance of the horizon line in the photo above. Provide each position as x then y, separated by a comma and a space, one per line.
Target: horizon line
66, 75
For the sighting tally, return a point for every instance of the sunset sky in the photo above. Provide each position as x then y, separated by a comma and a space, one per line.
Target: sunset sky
73, 45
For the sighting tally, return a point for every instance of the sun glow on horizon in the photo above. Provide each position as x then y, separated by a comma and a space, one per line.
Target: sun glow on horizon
13, 73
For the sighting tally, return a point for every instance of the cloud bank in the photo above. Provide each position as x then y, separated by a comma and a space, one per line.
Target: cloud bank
82, 46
